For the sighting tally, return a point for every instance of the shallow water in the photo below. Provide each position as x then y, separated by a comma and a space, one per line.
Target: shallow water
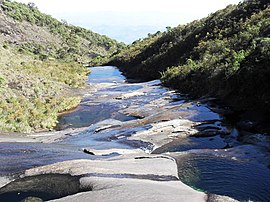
90, 111
85, 115
106, 74
200, 112
123, 88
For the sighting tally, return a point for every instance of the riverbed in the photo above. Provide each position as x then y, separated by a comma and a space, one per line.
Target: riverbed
118, 118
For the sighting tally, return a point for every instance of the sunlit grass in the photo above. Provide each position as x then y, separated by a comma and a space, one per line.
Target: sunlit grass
33, 92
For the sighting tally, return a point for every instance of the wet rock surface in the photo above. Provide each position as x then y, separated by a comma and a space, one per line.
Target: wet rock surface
138, 142
41, 187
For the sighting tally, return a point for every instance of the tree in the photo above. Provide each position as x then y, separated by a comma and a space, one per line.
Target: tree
169, 29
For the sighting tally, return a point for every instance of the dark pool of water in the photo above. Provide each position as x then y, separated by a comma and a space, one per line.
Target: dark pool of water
242, 180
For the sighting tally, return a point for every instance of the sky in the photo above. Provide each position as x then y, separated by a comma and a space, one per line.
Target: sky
129, 15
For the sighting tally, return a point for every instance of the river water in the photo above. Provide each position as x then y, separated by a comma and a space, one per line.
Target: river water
215, 163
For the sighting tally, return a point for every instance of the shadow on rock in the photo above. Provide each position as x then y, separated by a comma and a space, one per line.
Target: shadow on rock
42, 187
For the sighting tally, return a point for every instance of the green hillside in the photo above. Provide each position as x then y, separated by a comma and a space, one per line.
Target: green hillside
41, 63
225, 55
42, 35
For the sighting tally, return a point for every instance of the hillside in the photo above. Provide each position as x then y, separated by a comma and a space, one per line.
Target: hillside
41, 62
40, 34
225, 55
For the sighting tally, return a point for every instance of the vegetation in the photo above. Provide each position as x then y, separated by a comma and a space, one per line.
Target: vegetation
33, 92
225, 54
41, 63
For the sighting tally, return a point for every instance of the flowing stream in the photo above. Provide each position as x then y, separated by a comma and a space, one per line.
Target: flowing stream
215, 163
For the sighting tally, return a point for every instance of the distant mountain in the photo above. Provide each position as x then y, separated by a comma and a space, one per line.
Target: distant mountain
126, 33
41, 61
224, 55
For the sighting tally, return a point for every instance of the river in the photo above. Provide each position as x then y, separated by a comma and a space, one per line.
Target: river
211, 160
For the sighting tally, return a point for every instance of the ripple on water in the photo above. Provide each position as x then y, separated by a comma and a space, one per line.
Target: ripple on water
242, 180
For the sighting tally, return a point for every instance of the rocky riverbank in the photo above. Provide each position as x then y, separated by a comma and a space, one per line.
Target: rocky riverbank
140, 158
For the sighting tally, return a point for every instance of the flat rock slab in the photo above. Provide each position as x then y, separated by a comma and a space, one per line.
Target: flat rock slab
129, 164
162, 133
128, 177
122, 190
42, 137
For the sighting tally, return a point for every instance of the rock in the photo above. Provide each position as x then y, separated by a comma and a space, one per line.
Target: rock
162, 133
121, 190
47, 187
32, 199
130, 176
103, 128
129, 95
255, 139
4, 181
106, 152
88, 152
218, 198
246, 124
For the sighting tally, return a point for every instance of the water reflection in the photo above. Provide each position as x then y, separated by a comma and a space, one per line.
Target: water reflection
106, 74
